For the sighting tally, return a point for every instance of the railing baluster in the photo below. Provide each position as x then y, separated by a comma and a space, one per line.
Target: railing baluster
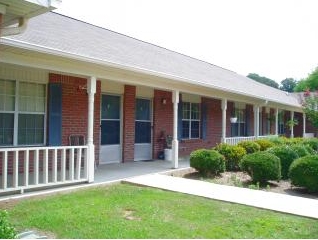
54, 166
36, 167
45, 166
26, 168
63, 164
71, 164
4, 170
85, 164
15, 180
78, 163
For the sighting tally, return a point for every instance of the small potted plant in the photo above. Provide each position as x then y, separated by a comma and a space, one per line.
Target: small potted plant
291, 123
168, 148
233, 119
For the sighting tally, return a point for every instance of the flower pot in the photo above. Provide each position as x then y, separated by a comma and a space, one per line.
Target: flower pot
168, 154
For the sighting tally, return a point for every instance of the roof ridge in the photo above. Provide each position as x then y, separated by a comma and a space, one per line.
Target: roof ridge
149, 43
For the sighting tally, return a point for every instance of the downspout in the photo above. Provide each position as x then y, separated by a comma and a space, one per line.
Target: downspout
8, 31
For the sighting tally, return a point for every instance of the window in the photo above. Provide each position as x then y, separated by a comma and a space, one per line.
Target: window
190, 120
22, 113
239, 127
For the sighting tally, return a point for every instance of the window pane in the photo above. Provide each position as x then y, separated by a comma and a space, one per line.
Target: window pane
31, 97
30, 129
142, 132
142, 109
185, 110
6, 128
185, 129
110, 130
110, 107
7, 95
195, 129
195, 112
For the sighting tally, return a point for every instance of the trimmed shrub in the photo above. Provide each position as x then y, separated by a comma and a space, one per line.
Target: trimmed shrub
249, 146
286, 156
261, 166
301, 150
303, 172
232, 155
312, 142
264, 144
207, 162
277, 140
6, 229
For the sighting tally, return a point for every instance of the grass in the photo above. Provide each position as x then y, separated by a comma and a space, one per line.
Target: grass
125, 211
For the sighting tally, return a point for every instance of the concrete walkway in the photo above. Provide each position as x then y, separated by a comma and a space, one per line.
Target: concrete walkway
261, 199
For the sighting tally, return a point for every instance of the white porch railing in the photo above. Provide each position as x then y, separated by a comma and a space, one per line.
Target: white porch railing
34, 167
236, 140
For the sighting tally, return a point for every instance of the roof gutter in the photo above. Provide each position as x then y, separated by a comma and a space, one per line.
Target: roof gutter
9, 31
34, 47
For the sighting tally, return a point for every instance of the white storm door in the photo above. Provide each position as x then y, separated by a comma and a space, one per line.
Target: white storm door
110, 148
143, 145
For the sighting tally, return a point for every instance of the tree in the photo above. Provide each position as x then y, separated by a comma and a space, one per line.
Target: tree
311, 109
263, 80
288, 85
310, 83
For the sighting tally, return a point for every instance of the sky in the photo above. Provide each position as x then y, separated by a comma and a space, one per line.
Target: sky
277, 39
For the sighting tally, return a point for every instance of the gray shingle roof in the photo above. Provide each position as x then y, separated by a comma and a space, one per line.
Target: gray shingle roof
55, 31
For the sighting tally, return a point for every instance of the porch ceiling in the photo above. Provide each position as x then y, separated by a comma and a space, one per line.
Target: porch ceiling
66, 65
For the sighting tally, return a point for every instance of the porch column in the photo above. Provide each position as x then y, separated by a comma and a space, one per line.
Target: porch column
276, 122
175, 142
91, 90
256, 121
292, 127
224, 108
304, 124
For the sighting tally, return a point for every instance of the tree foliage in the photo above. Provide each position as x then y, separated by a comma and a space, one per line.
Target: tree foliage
263, 80
310, 83
288, 85
311, 109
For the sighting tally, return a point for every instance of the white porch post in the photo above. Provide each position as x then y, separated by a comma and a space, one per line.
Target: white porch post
276, 122
91, 90
224, 108
175, 142
256, 121
304, 124
292, 127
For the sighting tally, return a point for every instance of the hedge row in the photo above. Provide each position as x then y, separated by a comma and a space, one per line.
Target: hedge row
263, 160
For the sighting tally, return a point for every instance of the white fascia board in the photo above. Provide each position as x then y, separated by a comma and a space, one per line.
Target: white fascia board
56, 52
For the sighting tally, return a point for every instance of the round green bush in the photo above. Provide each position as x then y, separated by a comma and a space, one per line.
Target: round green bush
312, 142
264, 144
261, 166
303, 172
207, 162
232, 154
249, 146
301, 150
286, 156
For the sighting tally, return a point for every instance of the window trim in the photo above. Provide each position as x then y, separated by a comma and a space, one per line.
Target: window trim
190, 120
16, 114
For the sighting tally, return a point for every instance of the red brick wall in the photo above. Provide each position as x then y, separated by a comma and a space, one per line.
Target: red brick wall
129, 123
162, 120
229, 114
75, 108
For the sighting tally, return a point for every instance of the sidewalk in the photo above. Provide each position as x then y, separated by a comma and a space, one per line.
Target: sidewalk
257, 198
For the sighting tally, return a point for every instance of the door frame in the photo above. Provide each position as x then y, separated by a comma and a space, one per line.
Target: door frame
120, 160
151, 126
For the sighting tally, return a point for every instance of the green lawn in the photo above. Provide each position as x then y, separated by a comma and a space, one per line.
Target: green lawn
124, 211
